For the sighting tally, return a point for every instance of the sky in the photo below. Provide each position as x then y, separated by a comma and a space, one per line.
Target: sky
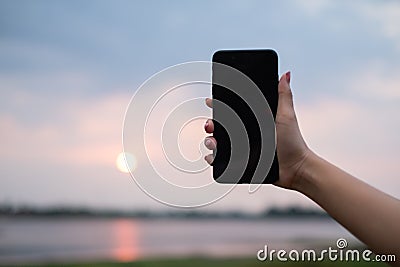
68, 70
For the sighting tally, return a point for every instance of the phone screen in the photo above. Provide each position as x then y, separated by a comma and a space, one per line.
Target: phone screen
261, 66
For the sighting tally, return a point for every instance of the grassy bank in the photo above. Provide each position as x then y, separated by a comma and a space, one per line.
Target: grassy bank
198, 262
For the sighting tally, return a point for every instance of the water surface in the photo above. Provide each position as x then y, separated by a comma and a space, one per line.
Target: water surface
77, 239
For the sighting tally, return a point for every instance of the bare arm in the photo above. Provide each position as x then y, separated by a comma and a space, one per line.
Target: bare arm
371, 215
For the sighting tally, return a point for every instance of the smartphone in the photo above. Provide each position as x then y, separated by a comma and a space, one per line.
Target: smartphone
261, 67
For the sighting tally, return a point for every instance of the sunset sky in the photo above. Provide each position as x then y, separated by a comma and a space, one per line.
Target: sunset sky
68, 70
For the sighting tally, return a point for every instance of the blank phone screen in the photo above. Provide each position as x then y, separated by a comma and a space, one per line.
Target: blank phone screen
261, 66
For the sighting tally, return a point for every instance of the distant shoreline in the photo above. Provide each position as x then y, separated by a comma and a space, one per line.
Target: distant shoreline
73, 212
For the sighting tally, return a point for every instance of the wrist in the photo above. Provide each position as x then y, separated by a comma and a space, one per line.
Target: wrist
305, 181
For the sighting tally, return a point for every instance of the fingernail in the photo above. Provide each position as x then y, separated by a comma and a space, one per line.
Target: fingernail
288, 77
206, 125
208, 142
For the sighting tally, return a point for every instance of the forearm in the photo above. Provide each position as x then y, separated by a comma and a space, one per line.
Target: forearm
371, 215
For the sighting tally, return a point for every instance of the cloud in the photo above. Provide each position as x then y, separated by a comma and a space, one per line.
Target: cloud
85, 131
378, 82
314, 7
387, 16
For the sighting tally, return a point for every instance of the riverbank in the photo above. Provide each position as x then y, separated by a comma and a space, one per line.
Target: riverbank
197, 262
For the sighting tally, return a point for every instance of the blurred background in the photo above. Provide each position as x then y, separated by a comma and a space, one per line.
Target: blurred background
68, 70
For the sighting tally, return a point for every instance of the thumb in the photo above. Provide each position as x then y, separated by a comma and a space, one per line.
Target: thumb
285, 100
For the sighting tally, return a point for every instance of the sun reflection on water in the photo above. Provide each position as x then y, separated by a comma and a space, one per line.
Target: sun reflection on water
125, 236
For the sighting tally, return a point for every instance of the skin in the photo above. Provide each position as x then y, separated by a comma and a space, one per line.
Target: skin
369, 214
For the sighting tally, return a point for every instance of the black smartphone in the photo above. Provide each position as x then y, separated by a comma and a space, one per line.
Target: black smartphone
261, 67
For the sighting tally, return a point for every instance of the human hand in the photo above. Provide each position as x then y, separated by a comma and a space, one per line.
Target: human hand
291, 148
